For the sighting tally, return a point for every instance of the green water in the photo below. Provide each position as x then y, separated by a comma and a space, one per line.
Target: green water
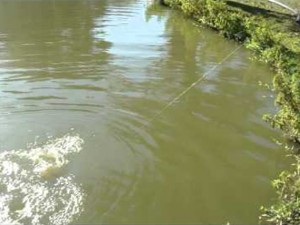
97, 72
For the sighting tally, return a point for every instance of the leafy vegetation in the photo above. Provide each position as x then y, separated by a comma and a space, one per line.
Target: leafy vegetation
274, 38
286, 211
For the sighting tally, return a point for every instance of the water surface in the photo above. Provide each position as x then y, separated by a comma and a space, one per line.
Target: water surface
79, 83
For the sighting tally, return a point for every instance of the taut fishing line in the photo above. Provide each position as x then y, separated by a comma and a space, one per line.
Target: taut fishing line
173, 101
168, 105
184, 92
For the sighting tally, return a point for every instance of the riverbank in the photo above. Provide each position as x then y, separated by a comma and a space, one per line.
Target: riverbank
274, 36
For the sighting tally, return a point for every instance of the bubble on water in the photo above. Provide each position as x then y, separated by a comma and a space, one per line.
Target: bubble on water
33, 189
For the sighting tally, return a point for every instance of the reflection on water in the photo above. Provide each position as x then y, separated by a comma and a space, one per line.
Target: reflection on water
34, 189
105, 68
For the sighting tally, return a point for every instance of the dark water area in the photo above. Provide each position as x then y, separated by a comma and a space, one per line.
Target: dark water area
79, 83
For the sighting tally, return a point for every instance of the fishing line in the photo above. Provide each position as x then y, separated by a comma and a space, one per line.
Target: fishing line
169, 104
184, 92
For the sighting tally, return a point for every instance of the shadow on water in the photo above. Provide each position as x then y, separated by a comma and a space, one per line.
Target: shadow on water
70, 40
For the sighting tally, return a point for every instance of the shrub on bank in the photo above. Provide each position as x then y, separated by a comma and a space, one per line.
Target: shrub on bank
287, 209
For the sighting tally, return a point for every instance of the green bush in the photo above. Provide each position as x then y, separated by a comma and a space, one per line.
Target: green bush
287, 210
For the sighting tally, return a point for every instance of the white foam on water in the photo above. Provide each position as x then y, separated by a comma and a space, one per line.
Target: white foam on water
33, 189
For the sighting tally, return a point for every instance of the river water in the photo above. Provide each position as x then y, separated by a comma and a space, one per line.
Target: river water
81, 83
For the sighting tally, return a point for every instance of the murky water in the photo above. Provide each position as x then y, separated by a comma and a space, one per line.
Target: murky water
79, 81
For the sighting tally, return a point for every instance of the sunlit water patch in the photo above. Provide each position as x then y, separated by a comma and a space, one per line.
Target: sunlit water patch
34, 188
